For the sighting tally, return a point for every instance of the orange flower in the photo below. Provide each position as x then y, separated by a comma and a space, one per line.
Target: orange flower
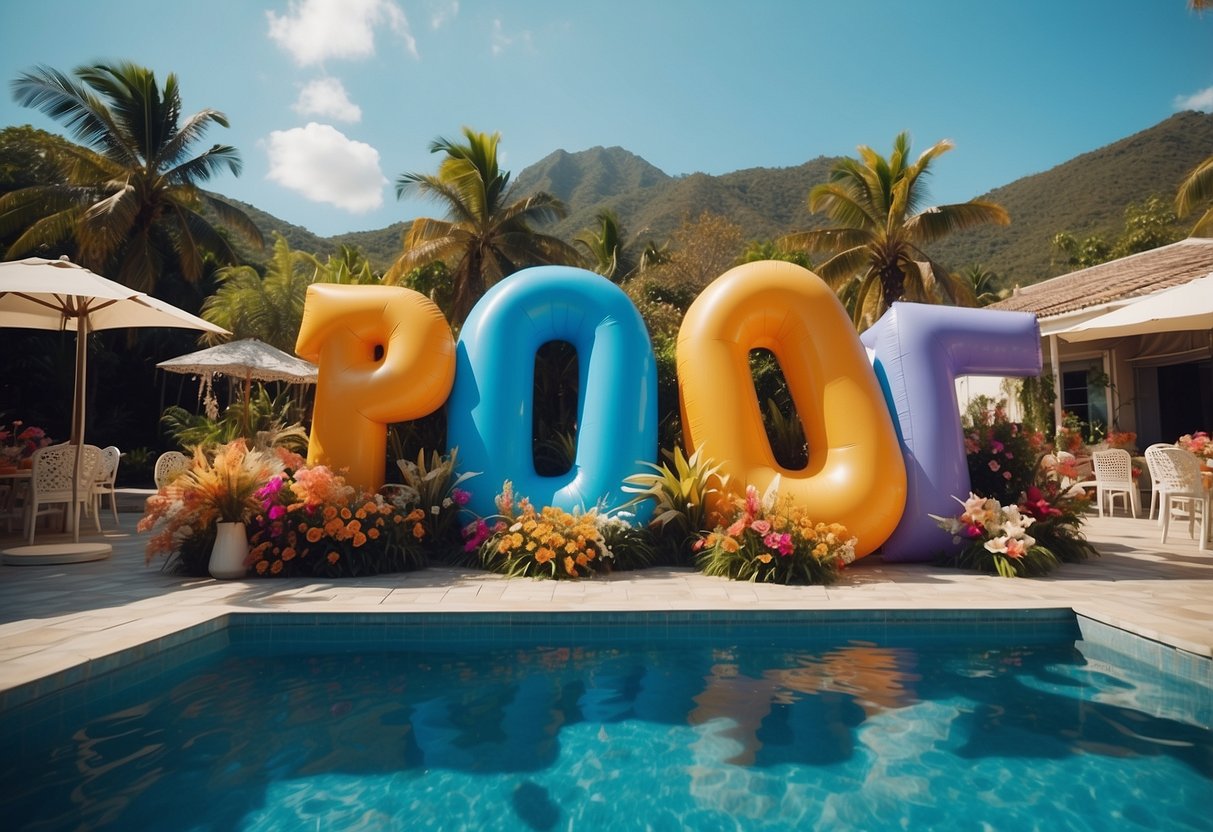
582, 560
359, 539
277, 567
372, 533
346, 514
262, 566
314, 534
764, 558
330, 512
418, 531
288, 553
543, 555
333, 557
415, 515
570, 567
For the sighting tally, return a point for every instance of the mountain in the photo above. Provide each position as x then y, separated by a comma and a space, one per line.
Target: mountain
1084, 196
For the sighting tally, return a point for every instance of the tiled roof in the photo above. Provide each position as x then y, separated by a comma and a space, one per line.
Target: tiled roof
1128, 277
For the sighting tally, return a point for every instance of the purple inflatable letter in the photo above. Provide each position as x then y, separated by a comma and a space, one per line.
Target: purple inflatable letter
919, 351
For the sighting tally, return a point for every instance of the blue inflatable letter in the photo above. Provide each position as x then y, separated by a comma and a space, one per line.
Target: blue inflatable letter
489, 412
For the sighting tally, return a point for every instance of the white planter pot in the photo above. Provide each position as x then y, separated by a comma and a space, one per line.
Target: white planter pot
230, 551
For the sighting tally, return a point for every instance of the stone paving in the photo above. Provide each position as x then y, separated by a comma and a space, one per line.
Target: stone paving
53, 618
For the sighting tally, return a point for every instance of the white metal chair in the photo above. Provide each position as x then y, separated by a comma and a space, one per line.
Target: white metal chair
51, 483
169, 466
107, 475
1155, 488
1114, 478
1182, 489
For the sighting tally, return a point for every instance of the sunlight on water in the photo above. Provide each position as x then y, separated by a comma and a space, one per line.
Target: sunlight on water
690, 736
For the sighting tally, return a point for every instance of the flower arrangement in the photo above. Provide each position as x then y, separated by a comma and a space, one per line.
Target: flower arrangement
540, 543
220, 486
1069, 435
19, 441
1124, 440
996, 539
1001, 455
1198, 443
434, 488
772, 540
312, 523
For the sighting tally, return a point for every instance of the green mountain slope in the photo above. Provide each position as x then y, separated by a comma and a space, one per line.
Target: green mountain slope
1086, 195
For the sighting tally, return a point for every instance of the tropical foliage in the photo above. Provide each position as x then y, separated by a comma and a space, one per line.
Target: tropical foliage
881, 227
130, 195
488, 234
683, 498
269, 307
1196, 193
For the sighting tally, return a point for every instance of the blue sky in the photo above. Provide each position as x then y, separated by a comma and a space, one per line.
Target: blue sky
331, 100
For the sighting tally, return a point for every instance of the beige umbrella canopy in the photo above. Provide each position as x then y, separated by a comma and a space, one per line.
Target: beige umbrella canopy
1185, 307
59, 295
247, 359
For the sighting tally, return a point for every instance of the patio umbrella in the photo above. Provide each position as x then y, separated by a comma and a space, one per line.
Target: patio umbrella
247, 359
58, 294
1180, 308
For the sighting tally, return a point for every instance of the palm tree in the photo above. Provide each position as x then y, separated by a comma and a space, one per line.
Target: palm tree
488, 234
604, 245
983, 284
881, 227
348, 266
269, 308
1197, 191
130, 197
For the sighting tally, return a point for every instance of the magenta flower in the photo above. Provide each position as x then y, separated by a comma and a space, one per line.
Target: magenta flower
461, 497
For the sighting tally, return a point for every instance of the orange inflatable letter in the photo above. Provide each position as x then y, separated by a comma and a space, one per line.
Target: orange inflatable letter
856, 475
385, 354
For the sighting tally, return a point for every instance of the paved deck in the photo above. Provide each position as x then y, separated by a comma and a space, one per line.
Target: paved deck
57, 617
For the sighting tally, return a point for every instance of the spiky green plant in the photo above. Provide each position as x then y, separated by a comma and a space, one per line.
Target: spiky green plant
682, 497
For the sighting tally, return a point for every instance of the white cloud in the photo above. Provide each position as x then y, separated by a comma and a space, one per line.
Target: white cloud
1202, 100
326, 97
319, 162
314, 30
500, 41
443, 13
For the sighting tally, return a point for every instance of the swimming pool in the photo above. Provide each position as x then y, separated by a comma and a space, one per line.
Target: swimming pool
999, 720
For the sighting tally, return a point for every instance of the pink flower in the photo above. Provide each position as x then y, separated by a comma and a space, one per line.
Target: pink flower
753, 504
997, 446
737, 528
761, 526
461, 497
1006, 475
994, 466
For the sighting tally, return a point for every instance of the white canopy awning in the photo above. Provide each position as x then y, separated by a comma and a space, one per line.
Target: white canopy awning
1180, 308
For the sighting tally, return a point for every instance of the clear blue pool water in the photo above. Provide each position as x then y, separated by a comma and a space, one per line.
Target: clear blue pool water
762, 727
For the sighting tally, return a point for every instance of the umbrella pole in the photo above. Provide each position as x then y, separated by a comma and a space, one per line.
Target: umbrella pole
78, 418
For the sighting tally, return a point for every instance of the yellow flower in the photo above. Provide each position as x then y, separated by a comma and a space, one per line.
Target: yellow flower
764, 558
729, 544
570, 567
544, 555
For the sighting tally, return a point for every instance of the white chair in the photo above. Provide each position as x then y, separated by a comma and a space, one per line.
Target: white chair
107, 475
1181, 488
1151, 466
1114, 478
169, 466
51, 483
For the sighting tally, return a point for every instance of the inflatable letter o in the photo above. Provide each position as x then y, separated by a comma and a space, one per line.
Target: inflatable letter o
385, 354
919, 351
491, 405
855, 474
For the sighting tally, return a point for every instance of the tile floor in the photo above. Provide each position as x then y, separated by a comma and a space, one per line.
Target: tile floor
60, 618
